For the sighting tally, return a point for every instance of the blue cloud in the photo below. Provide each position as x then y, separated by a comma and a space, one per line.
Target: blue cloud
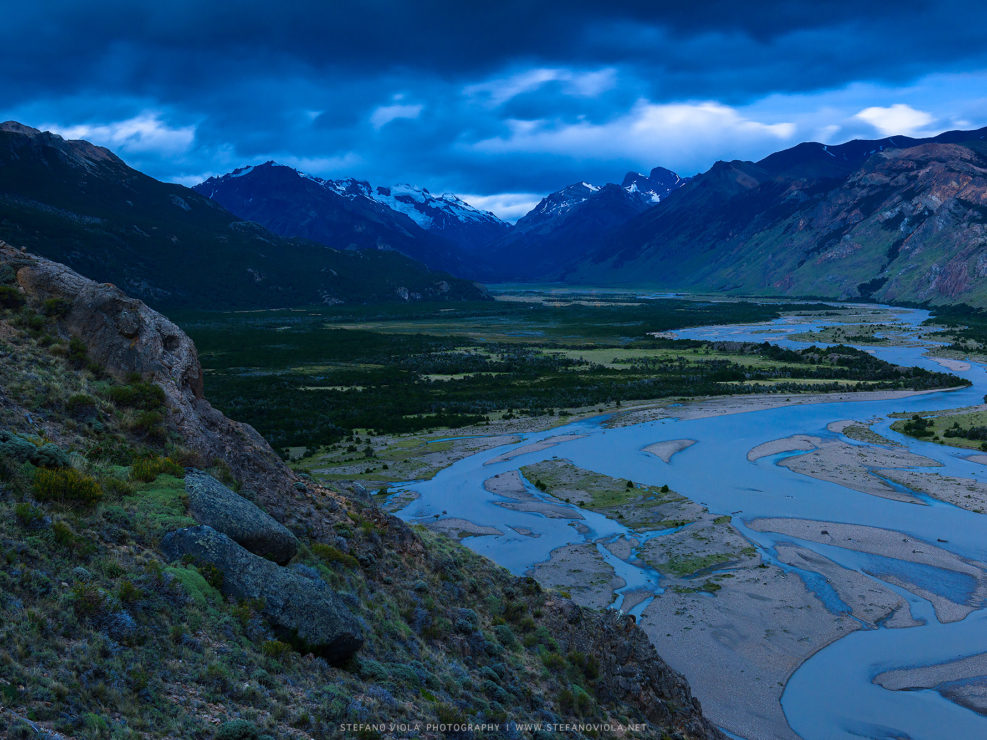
500, 100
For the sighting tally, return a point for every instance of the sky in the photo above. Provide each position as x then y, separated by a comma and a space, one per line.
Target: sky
500, 102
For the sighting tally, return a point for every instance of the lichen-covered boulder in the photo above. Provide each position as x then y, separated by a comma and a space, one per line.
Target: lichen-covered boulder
302, 610
215, 505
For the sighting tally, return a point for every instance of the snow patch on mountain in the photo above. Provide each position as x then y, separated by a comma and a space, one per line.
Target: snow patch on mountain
425, 209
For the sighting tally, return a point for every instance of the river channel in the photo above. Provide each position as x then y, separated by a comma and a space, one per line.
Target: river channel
833, 693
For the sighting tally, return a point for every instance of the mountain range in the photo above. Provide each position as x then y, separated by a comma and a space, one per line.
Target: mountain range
81, 205
897, 219
442, 231
352, 214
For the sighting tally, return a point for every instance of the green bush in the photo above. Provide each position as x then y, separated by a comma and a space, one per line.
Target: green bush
78, 353
15, 447
331, 555
553, 661
10, 297
20, 449
149, 425
50, 455
56, 307
137, 394
67, 486
27, 514
212, 574
274, 648
128, 592
118, 487
67, 537
146, 469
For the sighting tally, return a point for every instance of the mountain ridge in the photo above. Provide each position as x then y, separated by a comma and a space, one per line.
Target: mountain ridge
894, 219
82, 205
352, 214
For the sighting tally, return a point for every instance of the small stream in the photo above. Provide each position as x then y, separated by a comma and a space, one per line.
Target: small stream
832, 694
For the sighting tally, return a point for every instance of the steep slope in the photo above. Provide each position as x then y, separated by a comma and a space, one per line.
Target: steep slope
897, 219
351, 213
80, 204
571, 223
107, 632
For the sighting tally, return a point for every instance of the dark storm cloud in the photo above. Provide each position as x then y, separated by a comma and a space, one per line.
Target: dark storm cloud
439, 92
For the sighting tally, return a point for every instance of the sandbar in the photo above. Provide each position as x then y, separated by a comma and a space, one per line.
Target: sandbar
665, 450
543, 444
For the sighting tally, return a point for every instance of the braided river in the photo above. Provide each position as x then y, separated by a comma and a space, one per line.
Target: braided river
833, 691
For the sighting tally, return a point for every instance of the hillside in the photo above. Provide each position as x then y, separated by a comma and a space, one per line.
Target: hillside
143, 586
896, 220
81, 205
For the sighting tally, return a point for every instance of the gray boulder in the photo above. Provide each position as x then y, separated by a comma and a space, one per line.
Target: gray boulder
215, 505
302, 610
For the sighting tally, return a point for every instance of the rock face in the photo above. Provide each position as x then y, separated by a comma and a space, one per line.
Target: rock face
302, 610
215, 505
125, 336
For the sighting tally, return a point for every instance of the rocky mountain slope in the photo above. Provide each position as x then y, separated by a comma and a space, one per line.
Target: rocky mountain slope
163, 574
349, 213
81, 205
897, 219
570, 224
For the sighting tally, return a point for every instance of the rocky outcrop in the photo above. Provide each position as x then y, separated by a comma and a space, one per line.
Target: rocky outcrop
301, 608
213, 504
125, 337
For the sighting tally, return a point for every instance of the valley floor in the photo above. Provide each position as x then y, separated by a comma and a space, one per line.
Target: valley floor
716, 608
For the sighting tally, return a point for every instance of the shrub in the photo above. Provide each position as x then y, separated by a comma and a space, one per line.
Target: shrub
274, 648
128, 592
20, 449
87, 600
27, 514
212, 574
583, 701
67, 537
146, 469
331, 555
137, 394
10, 297
50, 455
67, 486
553, 661
149, 425
78, 356
118, 487
505, 636
56, 307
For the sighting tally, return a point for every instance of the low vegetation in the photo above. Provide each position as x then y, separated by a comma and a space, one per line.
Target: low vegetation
100, 638
957, 428
311, 378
